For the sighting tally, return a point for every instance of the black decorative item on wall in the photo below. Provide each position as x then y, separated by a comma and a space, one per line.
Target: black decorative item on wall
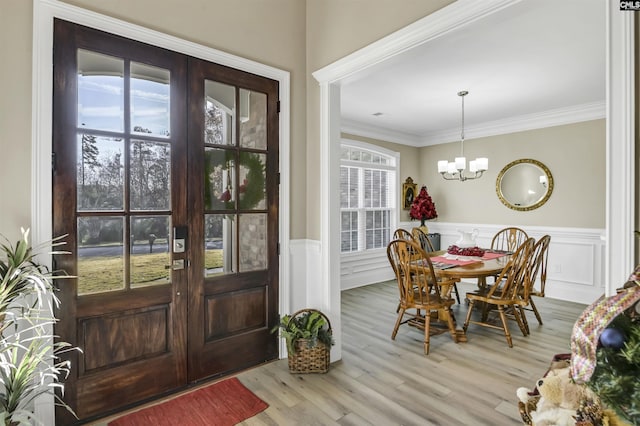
408, 193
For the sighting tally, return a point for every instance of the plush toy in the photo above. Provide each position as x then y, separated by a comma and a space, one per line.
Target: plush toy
559, 401
559, 398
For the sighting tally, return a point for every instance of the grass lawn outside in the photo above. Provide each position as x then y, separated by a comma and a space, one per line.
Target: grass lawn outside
98, 274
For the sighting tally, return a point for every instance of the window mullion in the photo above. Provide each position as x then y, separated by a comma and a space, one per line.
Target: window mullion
361, 211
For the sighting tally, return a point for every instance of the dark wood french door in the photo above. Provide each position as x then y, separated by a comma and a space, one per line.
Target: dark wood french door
165, 180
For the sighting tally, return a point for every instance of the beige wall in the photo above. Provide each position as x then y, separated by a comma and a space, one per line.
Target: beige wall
409, 165
271, 32
15, 117
336, 28
574, 153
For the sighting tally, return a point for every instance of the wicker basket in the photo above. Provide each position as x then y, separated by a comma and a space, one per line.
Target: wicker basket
525, 409
310, 360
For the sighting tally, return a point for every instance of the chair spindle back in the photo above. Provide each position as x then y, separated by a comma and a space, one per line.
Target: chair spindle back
508, 239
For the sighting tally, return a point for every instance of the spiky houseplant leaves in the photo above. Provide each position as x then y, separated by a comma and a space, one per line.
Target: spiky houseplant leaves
310, 325
29, 360
22, 276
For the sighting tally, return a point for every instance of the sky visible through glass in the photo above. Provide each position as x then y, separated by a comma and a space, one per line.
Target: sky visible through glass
101, 104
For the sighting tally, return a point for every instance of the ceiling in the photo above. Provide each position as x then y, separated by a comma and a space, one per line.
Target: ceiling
533, 64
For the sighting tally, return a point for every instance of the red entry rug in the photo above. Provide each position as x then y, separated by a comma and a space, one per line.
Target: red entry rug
224, 403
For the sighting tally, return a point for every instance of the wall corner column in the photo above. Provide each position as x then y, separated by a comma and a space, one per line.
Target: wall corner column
620, 204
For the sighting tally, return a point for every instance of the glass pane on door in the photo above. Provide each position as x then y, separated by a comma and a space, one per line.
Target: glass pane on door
150, 257
150, 100
100, 254
100, 91
253, 185
219, 244
253, 119
220, 107
252, 229
100, 173
150, 175
219, 179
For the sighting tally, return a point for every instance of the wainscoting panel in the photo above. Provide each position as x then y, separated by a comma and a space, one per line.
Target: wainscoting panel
576, 259
360, 269
305, 275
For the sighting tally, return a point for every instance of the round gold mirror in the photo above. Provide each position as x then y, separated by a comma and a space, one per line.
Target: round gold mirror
524, 184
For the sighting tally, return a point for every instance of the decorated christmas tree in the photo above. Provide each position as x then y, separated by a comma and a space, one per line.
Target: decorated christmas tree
606, 350
423, 207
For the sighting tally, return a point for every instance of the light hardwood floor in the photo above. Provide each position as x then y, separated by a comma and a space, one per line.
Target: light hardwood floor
384, 382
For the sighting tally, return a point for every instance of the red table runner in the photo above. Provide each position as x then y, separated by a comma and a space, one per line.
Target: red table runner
493, 255
442, 259
465, 260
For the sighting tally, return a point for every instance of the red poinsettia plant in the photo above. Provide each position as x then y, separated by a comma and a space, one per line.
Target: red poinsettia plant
423, 207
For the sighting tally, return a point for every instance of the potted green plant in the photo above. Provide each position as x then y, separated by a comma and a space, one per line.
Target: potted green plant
309, 339
29, 359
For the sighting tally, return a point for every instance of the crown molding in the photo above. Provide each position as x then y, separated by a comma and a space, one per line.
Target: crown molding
439, 22
520, 123
357, 128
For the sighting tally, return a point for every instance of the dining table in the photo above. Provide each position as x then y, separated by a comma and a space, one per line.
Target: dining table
491, 263
459, 267
455, 266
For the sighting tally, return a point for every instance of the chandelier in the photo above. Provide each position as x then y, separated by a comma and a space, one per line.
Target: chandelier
456, 170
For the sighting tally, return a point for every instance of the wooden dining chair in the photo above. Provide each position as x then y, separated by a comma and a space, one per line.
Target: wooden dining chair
394, 261
419, 236
504, 295
537, 267
420, 289
508, 239
402, 234
422, 238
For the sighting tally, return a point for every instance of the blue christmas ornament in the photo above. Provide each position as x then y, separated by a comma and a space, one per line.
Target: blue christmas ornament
612, 338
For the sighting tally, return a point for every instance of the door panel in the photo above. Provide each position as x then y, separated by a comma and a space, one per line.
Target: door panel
151, 148
233, 163
120, 148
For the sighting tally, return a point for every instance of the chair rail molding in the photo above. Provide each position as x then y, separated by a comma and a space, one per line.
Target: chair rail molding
576, 259
576, 256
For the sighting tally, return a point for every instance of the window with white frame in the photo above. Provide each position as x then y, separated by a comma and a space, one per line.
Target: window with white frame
367, 194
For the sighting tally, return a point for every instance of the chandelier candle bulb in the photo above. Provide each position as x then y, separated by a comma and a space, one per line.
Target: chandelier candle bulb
461, 163
483, 163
